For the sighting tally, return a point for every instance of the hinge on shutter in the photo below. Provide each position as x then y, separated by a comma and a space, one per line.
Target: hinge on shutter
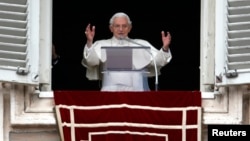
23, 71
231, 74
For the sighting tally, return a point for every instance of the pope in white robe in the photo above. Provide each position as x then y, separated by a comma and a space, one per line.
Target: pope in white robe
148, 62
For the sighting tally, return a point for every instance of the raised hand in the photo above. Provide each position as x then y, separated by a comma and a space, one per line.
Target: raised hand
166, 40
90, 34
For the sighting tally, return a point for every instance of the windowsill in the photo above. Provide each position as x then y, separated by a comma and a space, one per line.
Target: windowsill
204, 95
46, 94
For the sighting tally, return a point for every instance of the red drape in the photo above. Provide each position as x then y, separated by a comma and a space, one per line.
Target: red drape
129, 116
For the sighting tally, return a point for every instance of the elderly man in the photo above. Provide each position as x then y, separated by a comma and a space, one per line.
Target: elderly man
120, 25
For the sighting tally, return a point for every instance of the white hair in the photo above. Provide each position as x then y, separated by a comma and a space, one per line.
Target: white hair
119, 14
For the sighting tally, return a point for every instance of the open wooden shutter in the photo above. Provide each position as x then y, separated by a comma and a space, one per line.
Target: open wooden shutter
236, 43
19, 41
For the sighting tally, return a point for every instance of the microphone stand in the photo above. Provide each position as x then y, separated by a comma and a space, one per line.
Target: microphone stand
156, 75
155, 67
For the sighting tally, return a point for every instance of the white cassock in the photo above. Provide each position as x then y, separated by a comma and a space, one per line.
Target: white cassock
94, 61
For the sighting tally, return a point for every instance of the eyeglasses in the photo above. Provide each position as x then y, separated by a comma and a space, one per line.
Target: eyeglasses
123, 26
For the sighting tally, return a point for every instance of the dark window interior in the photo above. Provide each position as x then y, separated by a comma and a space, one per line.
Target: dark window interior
181, 18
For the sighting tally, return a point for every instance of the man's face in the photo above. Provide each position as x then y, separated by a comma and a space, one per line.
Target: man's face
120, 27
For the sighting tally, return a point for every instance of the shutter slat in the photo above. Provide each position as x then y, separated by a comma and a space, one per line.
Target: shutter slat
239, 50
238, 66
238, 18
239, 10
13, 7
21, 2
13, 63
13, 39
13, 15
13, 55
238, 3
13, 31
239, 42
13, 23
239, 58
13, 47
239, 26
239, 34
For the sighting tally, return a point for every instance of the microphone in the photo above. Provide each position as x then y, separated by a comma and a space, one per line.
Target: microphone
120, 38
155, 67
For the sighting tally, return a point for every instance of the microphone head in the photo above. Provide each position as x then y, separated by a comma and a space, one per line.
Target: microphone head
121, 37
